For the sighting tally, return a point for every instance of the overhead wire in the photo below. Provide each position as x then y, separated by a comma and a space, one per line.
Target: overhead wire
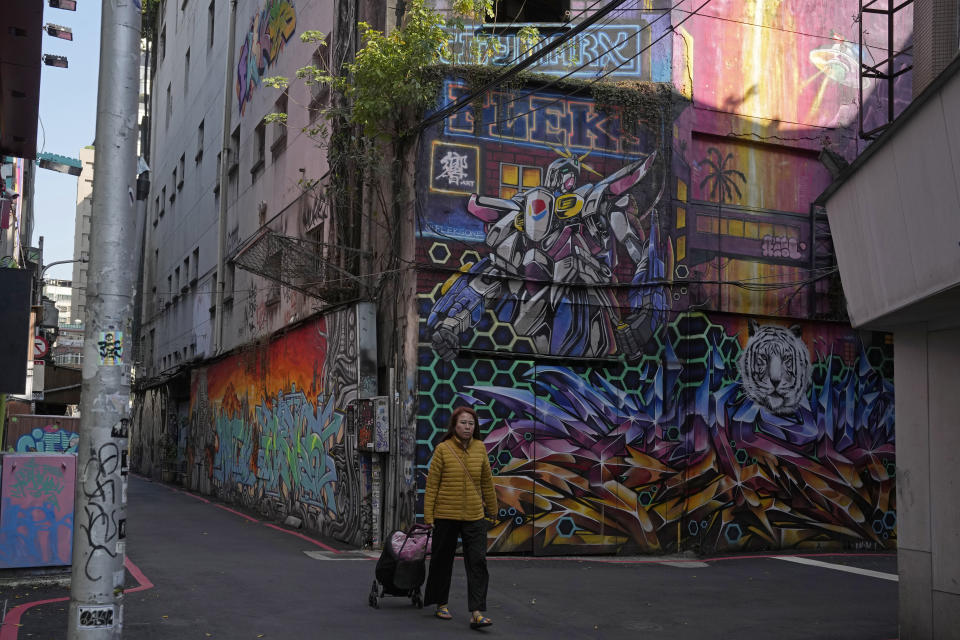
544, 38
465, 100
545, 105
600, 77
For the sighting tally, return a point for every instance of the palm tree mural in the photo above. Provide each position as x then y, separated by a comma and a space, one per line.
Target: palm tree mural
722, 180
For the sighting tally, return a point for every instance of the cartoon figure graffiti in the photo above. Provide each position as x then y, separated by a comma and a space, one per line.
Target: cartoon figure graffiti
553, 254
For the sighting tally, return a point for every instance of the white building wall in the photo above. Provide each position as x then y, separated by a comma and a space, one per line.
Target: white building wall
61, 292
895, 225
928, 456
81, 234
182, 222
895, 222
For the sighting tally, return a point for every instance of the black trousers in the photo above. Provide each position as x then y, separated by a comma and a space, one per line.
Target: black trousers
445, 534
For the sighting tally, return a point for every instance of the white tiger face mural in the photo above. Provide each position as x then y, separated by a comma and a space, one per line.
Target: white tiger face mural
775, 367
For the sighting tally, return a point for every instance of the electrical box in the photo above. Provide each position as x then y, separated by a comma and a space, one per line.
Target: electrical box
373, 424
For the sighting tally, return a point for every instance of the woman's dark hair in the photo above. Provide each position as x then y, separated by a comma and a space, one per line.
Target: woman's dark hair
452, 424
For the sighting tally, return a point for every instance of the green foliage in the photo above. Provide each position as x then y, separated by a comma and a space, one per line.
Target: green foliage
476, 10
389, 84
638, 101
148, 19
385, 83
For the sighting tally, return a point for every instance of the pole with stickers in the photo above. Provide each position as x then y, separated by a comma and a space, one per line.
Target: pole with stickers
100, 513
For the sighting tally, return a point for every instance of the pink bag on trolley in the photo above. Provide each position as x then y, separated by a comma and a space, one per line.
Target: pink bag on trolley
413, 545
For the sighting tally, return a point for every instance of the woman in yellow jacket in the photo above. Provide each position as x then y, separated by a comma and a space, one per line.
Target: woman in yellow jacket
459, 493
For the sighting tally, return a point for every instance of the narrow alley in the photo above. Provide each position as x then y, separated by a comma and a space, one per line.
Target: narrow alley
200, 569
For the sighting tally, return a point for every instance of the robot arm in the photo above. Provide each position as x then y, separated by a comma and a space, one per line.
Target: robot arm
461, 306
647, 299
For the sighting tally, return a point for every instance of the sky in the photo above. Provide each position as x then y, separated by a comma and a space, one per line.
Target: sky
68, 113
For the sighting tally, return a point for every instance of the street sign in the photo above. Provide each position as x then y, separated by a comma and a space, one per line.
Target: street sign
40, 347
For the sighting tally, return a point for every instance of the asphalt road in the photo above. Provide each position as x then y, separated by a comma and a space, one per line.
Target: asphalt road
200, 570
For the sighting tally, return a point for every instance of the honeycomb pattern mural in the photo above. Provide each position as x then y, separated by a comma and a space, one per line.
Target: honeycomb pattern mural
669, 453
624, 411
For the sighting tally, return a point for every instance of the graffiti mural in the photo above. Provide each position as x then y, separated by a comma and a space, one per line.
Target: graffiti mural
268, 427
36, 510
632, 49
571, 261
583, 283
682, 451
270, 29
48, 439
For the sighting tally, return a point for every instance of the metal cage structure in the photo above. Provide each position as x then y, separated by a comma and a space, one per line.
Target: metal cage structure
316, 269
869, 72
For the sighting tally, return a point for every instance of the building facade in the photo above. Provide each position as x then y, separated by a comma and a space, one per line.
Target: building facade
616, 261
903, 278
214, 362
61, 292
81, 235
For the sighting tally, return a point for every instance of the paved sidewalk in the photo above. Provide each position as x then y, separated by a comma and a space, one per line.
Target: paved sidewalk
202, 570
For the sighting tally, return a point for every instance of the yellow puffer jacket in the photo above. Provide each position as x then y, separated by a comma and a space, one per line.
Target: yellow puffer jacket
451, 493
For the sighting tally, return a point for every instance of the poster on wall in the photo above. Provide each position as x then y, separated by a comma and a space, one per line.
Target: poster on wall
36, 509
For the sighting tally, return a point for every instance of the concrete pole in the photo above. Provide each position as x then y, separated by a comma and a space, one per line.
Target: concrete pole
100, 506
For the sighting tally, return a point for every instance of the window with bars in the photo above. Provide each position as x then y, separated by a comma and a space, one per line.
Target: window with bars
259, 149
279, 133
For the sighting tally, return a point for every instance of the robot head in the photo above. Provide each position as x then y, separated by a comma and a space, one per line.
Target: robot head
562, 174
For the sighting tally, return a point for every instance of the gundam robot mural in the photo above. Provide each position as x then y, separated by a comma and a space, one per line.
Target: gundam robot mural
552, 254
625, 411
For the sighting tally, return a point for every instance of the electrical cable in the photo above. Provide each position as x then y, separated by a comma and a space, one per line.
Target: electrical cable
544, 39
465, 100
577, 90
43, 131
642, 50
799, 33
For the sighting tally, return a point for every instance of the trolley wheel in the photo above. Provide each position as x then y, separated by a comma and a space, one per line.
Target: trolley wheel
417, 600
374, 598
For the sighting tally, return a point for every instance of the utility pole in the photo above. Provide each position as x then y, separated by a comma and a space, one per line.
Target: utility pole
100, 505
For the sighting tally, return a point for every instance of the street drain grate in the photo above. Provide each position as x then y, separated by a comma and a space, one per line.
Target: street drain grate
342, 555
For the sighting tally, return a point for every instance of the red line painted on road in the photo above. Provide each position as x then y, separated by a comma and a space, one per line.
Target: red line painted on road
299, 535
236, 513
144, 582
11, 624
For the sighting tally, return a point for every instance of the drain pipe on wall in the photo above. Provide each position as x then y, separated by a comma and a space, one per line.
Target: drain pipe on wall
224, 176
